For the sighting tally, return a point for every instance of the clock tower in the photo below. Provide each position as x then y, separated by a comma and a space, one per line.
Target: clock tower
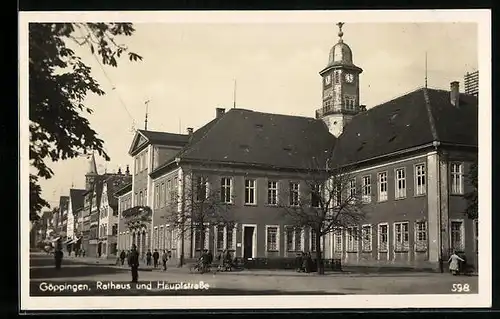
340, 87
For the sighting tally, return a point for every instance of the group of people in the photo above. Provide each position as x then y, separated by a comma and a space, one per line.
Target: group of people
224, 258
155, 257
304, 262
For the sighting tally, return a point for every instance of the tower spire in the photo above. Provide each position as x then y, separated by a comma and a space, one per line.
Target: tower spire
234, 95
340, 34
425, 69
146, 118
92, 165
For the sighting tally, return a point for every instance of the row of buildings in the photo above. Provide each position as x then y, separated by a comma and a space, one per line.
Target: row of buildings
87, 219
411, 155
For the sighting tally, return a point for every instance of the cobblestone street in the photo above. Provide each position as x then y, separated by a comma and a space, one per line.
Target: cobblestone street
97, 275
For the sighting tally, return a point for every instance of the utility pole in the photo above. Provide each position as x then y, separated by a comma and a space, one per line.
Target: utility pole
146, 118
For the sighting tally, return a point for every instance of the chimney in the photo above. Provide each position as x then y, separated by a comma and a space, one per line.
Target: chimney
190, 130
455, 93
219, 112
362, 108
119, 170
127, 171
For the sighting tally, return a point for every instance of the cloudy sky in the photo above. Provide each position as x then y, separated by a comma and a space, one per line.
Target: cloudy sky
189, 69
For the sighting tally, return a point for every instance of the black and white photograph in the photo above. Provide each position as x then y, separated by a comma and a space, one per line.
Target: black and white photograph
246, 160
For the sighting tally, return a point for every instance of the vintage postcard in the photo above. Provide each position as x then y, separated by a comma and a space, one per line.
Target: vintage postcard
246, 160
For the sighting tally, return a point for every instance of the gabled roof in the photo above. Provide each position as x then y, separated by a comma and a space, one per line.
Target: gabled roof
114, 183
76, 198
143, 137
124, 189
414, 119
256, 138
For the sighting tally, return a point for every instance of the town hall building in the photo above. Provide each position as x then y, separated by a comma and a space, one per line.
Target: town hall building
410, 156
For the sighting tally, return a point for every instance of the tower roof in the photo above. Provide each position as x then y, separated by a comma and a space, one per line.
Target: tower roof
92, 170
340, 53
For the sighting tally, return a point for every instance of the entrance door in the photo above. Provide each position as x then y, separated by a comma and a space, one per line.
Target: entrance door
248, 242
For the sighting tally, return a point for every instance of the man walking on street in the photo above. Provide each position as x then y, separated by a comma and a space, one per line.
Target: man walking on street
148, 258
156, 257
133, 260
164, 259
122, 257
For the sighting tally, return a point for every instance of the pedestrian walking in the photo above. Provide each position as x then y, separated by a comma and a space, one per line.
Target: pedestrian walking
164, 259
454, 262
122, 257
148, 258
133, 261
156, 257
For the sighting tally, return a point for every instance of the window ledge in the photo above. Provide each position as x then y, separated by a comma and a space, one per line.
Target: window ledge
420, 250
273, 251
399, 198
401, 250
456, 194
250, 205
420, 195
367, 251
351, 251
383, 251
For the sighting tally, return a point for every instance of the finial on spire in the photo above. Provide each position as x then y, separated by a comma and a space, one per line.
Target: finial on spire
341, 34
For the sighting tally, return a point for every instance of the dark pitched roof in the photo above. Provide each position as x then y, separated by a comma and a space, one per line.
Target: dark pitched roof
244, 136
77, 197
124, 189
155, 137
414, 119
114, 183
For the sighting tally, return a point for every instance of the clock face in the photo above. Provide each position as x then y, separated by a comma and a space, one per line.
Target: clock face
327, 79
349, 78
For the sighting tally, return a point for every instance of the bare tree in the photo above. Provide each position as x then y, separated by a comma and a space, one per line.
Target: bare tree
333, 200
199, 206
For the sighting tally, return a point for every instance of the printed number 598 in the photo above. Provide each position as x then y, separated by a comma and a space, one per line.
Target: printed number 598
460, 288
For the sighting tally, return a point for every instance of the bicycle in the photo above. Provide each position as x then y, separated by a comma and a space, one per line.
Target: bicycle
200, 268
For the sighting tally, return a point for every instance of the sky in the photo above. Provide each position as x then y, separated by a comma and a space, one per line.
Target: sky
189, 69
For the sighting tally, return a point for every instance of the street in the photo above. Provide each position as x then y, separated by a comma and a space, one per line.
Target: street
86, 277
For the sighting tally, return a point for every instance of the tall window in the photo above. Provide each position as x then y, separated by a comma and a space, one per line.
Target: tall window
457, 236
201, 188
314, 237
337, 195
420, 236
157, 196
197, 238
155, 238
337, 235
137, 165
230, 233
171, 191
220, 238
272, 193
457, 178
224, 237
366, 243
272, 238
162, 194
383, 237
294, 194
420, 179
401, 236
250, 192
161, 238
352, 239
114, 230
293, 239
352, 190
140, 198
367, 189
400, 183
382, 186
315, 195
225, 192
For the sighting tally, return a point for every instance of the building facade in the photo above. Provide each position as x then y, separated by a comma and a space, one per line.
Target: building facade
409, 156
